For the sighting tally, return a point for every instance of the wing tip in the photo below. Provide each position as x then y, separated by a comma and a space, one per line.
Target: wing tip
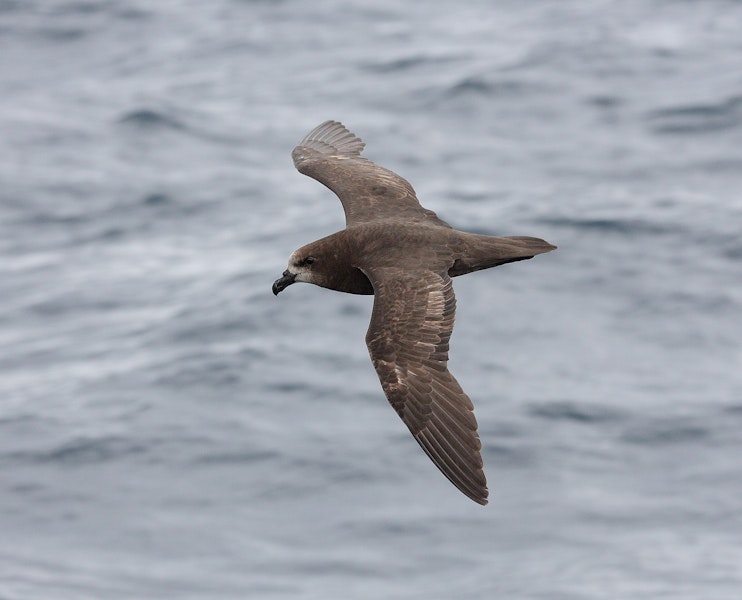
468, 479
483, 499
479, 494
332, 138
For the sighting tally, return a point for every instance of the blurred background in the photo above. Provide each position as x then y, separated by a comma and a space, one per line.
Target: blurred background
169, 429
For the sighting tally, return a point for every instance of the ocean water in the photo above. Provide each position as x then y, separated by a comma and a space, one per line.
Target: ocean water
169, 429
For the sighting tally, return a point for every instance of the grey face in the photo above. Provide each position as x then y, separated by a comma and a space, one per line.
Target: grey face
299, 269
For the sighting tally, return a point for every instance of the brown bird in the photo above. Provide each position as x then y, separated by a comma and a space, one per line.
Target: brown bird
405, 256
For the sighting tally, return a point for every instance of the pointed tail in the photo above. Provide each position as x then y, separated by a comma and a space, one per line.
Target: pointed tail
484, 251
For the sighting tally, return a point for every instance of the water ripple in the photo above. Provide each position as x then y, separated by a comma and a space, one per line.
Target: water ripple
576, 412
146, 119
697, 118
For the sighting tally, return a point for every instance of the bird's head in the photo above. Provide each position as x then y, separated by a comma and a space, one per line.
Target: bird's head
303, 266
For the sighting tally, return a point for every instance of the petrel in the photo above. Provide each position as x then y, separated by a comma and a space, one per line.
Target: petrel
405, 256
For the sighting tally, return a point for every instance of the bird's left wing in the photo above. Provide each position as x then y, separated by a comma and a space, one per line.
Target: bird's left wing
407, 338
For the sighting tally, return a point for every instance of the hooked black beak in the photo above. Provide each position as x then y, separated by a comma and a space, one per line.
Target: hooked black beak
281, 284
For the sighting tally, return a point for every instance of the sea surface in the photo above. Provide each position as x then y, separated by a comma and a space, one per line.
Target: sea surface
170, 429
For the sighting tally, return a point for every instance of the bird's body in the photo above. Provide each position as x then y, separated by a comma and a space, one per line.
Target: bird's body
405, 255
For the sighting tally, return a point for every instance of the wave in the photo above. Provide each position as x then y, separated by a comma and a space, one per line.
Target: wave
406, 64
148, 118
83, 450
662, 432
609, 225
578, 412
696, 118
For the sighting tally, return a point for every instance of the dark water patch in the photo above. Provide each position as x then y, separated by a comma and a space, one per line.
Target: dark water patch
20, 419
733, 250
506, 444
696, 118
643, 305
146, 118
353, 310
707, 301
151, 121
48, 218
8, 6
62, 34
287, 386
156, 199
474, 197
109, 234
734, 410
131, 13
478, 86
66, 9
617, 226
61, 206
207, 324
308, 390
507, 455
202, 371
125, 12
575, 412
605, 102
244, 457
337, 468
350, 567
81, 451
97, 234
665, 432
405, 64
73, 302
27, 489
470, 86
167, 204
379, 527
725, 165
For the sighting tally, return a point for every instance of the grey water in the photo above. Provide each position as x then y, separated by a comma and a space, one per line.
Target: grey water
169, 429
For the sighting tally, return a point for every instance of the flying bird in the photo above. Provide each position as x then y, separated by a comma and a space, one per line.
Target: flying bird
405, 256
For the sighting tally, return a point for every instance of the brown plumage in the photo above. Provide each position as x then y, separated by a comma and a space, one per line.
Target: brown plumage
405, 255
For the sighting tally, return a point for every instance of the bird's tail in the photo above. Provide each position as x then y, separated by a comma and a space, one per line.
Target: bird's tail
484, 251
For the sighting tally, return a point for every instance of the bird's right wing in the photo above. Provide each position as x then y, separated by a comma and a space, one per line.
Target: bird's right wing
332, 155
407, 339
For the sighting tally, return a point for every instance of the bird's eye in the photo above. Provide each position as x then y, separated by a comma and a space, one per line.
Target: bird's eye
309, 260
